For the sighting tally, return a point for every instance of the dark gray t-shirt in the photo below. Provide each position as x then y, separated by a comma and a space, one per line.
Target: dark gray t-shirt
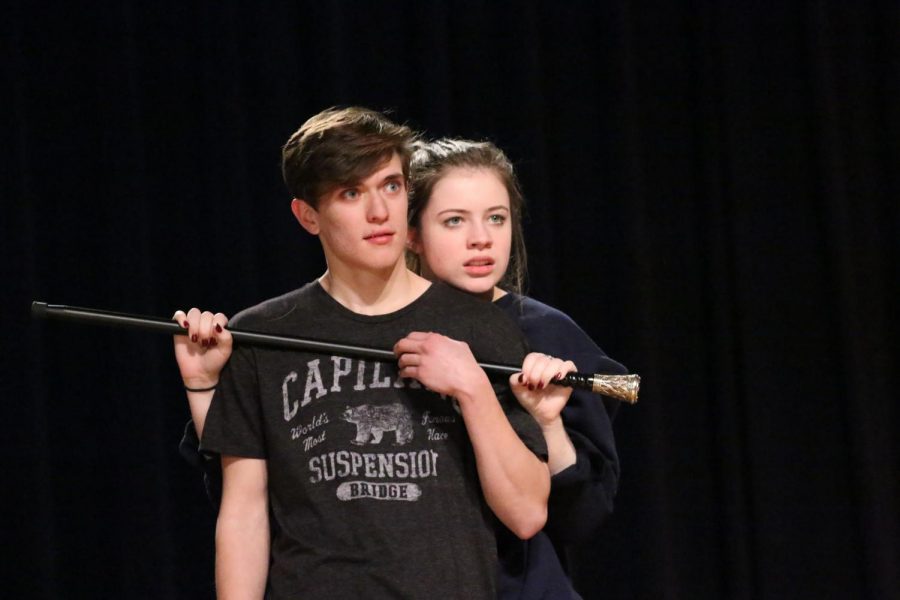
373, 490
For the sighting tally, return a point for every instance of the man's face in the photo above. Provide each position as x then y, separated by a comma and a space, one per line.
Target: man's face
363, 226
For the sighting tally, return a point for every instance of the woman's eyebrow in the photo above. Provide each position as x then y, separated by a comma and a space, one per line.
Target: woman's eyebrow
464, 211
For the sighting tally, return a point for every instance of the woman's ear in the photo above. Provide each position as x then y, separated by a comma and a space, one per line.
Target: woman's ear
306, 215
413, 241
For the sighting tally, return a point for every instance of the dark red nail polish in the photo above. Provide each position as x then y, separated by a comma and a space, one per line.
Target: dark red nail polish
186, 325
194, 338
521, 377
218, 328
540, 386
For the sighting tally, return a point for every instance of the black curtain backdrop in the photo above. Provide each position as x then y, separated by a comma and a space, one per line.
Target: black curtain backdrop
713, 196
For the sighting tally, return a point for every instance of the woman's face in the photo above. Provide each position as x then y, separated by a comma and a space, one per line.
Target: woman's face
465, 234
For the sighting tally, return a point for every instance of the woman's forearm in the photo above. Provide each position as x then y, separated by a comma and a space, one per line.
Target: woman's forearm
560, 450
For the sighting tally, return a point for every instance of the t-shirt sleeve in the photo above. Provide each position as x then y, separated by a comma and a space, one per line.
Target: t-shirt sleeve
234, 422
521, 421
504, 343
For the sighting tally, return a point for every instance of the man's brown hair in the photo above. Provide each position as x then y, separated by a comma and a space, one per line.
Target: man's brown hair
341, 146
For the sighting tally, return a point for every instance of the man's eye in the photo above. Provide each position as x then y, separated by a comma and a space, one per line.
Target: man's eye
393, 186
349, 194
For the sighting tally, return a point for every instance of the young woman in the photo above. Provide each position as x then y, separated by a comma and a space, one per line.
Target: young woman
466, 229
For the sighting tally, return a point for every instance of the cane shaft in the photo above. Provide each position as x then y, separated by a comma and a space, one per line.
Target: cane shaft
129, 321
620, 387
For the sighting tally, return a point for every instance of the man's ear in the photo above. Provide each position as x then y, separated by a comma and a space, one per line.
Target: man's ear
306, 215
413, 241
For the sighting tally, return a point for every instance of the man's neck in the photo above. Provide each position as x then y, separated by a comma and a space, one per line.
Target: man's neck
374, 293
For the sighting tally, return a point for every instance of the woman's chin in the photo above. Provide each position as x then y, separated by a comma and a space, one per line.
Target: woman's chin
482, 288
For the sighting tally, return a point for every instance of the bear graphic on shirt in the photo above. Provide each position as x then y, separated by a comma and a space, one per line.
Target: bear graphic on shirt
372, 421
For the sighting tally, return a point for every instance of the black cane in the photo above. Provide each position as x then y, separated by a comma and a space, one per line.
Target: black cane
620, 387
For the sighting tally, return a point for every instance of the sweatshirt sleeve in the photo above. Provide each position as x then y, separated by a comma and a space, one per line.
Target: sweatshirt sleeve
582, 495
209, 464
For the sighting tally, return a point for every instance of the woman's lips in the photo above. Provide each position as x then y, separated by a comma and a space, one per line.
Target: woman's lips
479, 266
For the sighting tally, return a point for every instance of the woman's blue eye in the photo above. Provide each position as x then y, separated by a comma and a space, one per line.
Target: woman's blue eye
497, 219
453, 221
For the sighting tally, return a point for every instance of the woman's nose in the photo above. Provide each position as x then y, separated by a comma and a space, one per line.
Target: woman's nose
479, 237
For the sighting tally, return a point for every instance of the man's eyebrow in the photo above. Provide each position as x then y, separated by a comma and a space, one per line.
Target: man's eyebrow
358, 182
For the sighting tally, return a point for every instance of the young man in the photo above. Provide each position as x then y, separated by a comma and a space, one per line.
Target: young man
350, 478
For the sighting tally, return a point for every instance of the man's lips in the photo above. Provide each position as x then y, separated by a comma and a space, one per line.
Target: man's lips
380, 238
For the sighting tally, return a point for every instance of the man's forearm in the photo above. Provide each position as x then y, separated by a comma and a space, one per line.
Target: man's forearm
242, 530
242, 555
515, 482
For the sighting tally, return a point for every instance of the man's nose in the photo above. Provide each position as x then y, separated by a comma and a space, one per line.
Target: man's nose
377, 209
